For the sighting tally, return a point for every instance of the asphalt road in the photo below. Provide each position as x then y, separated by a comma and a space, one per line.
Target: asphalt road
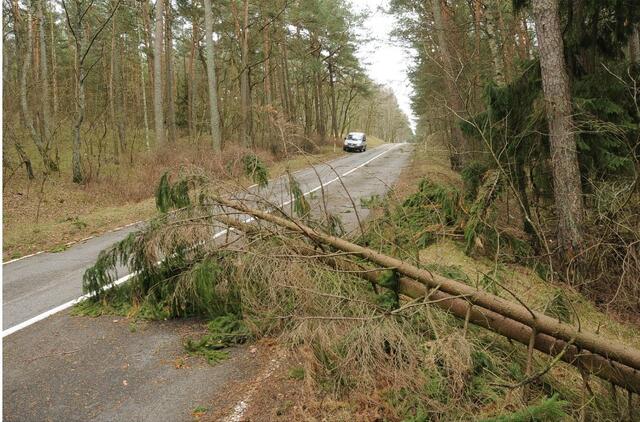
76, 368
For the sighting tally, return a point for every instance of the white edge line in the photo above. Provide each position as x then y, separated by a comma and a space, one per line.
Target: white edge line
126, 278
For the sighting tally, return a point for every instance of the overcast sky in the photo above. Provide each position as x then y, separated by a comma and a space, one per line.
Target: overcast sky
384, 59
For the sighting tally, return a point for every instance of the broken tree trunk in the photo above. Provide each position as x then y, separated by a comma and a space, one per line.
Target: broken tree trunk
614, 372
542, 323
621, 375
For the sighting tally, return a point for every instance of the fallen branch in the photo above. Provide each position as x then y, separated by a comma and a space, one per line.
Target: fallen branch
613, 361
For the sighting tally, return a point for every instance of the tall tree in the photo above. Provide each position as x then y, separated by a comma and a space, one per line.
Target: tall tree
27, 46
168, 49
157, 75
457, 146
44, 76
564, 157
214, 115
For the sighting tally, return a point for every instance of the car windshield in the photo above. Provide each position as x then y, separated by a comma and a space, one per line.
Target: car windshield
355, 136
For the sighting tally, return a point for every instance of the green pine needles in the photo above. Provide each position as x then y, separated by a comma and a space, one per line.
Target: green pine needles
301, 206
172, 196
256, 169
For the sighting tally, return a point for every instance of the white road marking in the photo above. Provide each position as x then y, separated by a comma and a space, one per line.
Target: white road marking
241, 407
124, 279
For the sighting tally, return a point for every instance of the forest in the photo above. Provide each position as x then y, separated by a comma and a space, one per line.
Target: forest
561, 130
482, 265
95, 92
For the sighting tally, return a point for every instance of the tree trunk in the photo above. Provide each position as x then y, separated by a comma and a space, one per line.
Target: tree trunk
54, 62
148, 48
112, 102
24, 159
76, 159
457, 143
523, 35
542, 323
634, 45
190, 73
40, 143
212, 84
334, 111
168, 51
495, 43
286, 83
157, 75
477, 19
143, 89
623, 375
266, 46
244, 80
121, 112
44, 76
564, 156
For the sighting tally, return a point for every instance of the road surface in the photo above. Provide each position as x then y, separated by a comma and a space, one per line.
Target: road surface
58, 367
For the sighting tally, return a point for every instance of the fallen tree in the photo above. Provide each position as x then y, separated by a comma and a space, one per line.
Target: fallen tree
614, 362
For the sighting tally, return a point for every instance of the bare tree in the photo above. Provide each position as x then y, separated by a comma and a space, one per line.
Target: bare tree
75, 21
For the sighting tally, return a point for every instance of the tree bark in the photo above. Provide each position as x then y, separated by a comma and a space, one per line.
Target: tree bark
168, 51
334, 111
44, 76
143, 89
457, 143
495, 43
112, 102
148, 48
191, 91
244, 80
54, 65
634, 45
157, 75
212, 84
24, 159
564, 156
41, 144
76, 159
